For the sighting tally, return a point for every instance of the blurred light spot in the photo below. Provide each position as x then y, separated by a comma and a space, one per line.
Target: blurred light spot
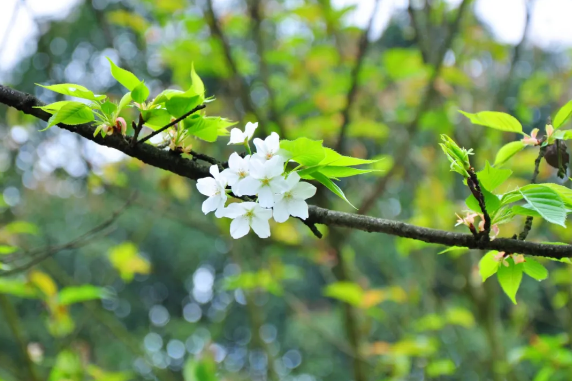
141, 366
19, 134
201, 296
159, 315
123, 309
258, 360
305, 377
11, 196
192, 312
58, 46
292, 359
160, 360
176, 349
4, 161
153, 342
219, 352
231, 269
235, 359
41, 61
195, 344
242, 335
222, 246
268, 333
239, 296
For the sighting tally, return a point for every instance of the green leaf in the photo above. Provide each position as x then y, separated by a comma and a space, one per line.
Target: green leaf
496, 120
332, 158
125, 100
491, 177
207, 128
510, 278
503, 216
304, 151
77, 294
71, 113
525, 210
442, 367
488, 266
21, 227
564, 193
180, 104
74, 90
18, 288
546, 202
348, 292
140, 93
331, 186
338, 172
197, 85
200, 370
53, 107
492, 202
452, 248
562, 115
7, 249
156, 118
125, 77
507, 151
534, 269
563, 134
108, 108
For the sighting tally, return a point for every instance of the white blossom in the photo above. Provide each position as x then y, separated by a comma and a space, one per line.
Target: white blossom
292, 201
238, 169
265, 180
215, 188
248, 215
268, 148
239, 137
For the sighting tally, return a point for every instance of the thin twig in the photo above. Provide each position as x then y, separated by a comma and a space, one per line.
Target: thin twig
402, 152
40, 255
528, 223
186, 115
474, 186
137, 129
352, 93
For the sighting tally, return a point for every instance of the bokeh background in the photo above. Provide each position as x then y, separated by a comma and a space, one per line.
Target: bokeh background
189, 303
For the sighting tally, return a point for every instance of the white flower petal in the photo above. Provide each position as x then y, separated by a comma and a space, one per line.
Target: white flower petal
260, 227
298, 208
234, 161
234, 210
214, 170
239, 227
210, 204
249, 129
230, 176
274, 167
260, 147
273, 142
263, 213
278, 185
207, 186
281, 213
303, 191
236, 136
248, 186
266, 197
257, 169
292, 180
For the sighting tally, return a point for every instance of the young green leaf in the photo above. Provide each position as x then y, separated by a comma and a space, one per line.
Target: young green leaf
125, 77
156, 118
331, 186
491, 177
140, 93
332, 158
197, 85
534, 269
502, 216
546, 202
71, 113
488, 266
108, 108
564, 193
304, 151
6, 249
348, 292
510, 278
562, 115
125, 100
76, 294
53, 107
507, 151
452, 248
563, 134
333, 172
180, 104
207, 128
492, 202
496, 120
74, 90
525, 210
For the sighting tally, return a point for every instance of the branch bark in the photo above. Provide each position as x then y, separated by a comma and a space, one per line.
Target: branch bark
192, 170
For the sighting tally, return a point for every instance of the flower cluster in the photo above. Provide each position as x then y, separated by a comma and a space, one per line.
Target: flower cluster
469, 220
279, 194
501, 257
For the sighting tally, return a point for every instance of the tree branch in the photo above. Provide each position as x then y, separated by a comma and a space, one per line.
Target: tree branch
184, 116
354, 76
403, 149
193, 170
